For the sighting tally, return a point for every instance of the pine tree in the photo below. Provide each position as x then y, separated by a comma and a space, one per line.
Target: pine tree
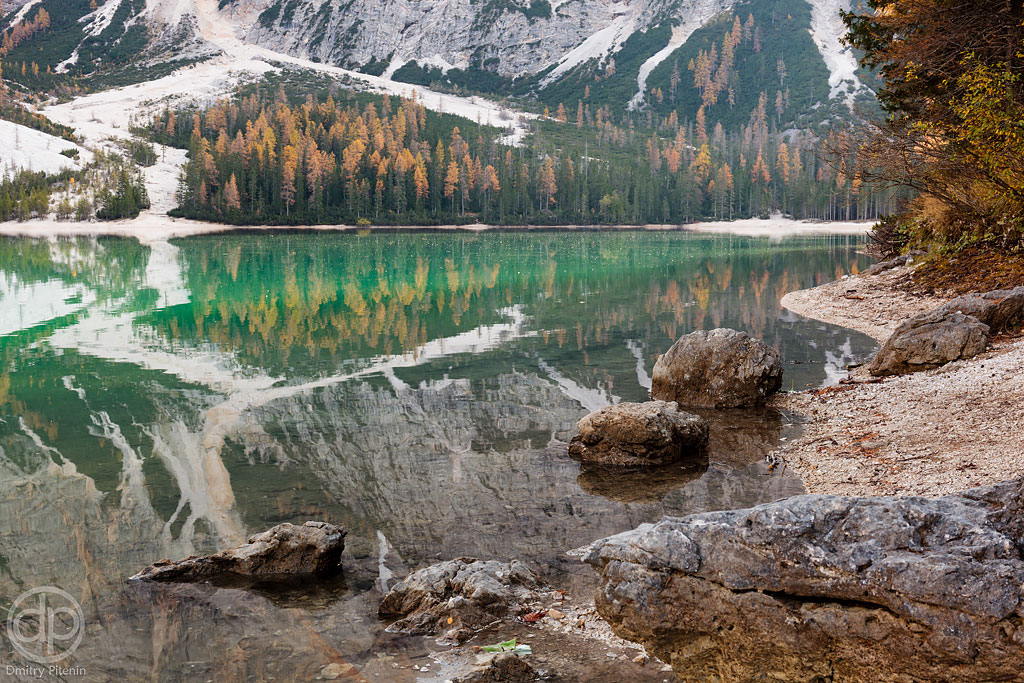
547, 183
231, 198
289, 163
451, 182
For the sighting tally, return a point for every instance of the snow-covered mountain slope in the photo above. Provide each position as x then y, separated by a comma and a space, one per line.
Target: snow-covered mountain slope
514, 39
521, 47
26, 148
827, 28
105, 115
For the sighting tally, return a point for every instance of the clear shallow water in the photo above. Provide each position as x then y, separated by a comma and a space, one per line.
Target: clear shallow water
418, 388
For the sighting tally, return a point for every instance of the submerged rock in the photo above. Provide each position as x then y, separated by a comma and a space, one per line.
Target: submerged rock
458, 597
717, 369
827, 588
639, 485
929, 341
637, 434
286, 549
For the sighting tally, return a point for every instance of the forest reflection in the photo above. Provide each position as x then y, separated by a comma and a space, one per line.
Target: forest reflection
294, 302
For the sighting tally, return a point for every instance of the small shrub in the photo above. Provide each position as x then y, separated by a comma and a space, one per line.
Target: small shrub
890, 236
64, 209
83, 210
141, 152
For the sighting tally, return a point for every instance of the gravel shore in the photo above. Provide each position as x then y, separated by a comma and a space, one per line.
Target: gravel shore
154, 225
930, 433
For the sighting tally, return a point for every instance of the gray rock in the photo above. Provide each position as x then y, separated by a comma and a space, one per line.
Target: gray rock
503, 668
286, 549
896, 262
827, 588
458, 597
1002, 310
639, 434
930, 341
717, 369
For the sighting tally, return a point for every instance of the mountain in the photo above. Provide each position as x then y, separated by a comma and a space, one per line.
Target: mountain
623, 54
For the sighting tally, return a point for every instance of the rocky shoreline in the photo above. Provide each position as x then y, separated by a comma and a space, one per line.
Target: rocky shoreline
930, 433
860, 586
884, 582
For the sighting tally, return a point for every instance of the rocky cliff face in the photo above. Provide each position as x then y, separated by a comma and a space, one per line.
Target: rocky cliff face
517, 37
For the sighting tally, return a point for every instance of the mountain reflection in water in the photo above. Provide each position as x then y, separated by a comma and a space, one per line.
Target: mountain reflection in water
173, 398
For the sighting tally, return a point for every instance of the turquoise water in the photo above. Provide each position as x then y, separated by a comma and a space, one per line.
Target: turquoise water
418, 388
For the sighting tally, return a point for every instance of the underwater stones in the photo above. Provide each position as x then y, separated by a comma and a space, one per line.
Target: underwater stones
639, 434
639, 484
720, 368
286, 549
458, 597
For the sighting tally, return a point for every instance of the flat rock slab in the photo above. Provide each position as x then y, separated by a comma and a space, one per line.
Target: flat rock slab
458, 597
286, 549
639, 434
717, 369
827, 588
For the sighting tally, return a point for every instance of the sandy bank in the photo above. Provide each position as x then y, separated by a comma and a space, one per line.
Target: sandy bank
777, 228
156, 227
930, 433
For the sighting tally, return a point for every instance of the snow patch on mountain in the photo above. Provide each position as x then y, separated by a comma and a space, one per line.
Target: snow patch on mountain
597, 46
169, 12
25, 7
435, 60
699, 15
827, 29
98, 21
30, 149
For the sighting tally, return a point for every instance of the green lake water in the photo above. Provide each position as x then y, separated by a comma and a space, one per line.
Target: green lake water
169, 399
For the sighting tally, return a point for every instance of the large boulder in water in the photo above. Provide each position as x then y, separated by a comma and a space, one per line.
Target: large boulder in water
929, 341
286, 549
717, 369
827, 588
458, 597
639, 434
